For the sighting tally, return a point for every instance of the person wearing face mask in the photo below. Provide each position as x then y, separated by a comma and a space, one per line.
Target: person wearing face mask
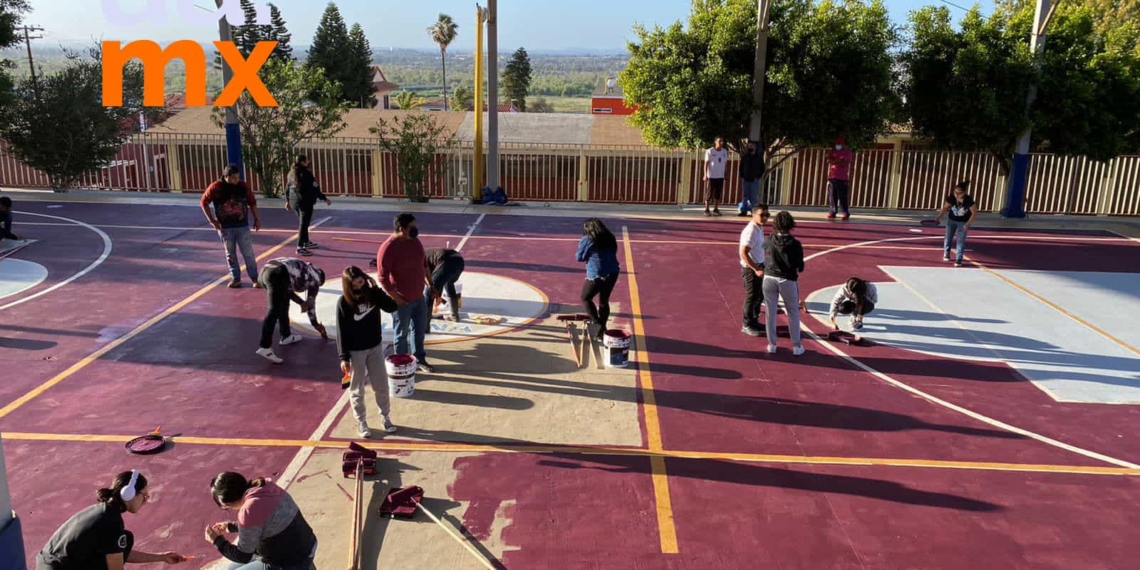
402, 265
358, 341
838, 178
751, 170
95, 538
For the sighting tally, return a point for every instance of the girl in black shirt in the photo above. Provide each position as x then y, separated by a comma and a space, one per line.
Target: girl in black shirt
95, 538
302, 193
962, 212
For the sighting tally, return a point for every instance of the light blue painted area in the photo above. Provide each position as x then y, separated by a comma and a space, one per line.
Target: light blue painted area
17, 276
972, 315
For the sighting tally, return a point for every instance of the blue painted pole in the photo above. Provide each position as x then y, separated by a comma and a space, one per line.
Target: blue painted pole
1019, 173
233, 132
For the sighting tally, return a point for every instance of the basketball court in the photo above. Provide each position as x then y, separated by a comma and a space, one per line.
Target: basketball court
991, 421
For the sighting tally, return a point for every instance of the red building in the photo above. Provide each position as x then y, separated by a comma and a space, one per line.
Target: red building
608, 99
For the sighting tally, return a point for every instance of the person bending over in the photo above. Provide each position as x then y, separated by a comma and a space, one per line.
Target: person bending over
272, 532
856, 298
282, 279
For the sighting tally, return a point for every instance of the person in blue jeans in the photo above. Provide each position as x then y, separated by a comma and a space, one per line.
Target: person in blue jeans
228, 203
751, 171
598, 250
961, 211
403, 272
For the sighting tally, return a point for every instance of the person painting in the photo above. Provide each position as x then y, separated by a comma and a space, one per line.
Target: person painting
96, 539
751, 171
716, 160
444, 266
784, 261
270, 526
856, 298
752, 270
301, 195
227, 204
402, 265
6, 220
838, 178
359, 343
282, 279
961, 211
598, 250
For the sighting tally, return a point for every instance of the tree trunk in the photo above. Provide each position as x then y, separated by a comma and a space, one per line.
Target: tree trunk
443, 58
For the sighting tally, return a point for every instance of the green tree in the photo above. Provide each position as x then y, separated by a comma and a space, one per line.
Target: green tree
829, 73
443, 32
358, 87
270, 134
462, 99
516, 78
11, 15
414, 140
408, 100
60, 126
541, 105
280, 34
330, 49
966, 89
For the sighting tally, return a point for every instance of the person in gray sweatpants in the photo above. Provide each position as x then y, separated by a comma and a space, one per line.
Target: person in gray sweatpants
360, 344
784, 260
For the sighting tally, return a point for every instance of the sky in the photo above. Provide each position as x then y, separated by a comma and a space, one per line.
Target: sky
534, 24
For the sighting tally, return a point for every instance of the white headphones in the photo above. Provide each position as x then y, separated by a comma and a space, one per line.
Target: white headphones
127, 493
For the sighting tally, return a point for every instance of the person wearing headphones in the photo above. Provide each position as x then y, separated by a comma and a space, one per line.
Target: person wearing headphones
95, 538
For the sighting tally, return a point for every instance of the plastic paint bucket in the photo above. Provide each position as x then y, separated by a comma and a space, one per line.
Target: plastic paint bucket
616, 343
401, 370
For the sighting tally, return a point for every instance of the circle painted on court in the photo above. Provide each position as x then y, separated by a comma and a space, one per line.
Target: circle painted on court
492, 305
19, 276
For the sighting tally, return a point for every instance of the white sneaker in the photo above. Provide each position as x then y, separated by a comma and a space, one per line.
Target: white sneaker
798, 350
362, 429
389, 427
267, 353
293, 339
771, 349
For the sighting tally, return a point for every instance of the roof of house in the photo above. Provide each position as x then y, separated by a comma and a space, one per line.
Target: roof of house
435, 104
550, 128
603, 90
380, 81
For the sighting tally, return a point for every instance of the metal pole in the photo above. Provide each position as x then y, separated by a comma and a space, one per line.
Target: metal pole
759, 71
31, 63
1019, 174
233, 130
492, 95
477, 182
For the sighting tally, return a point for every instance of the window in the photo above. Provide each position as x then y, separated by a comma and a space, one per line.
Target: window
602, 111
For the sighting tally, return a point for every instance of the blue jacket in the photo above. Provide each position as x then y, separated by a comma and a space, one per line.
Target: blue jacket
598, 264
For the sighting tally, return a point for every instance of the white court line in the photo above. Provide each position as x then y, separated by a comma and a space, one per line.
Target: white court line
944, 403
107, 246
302, 457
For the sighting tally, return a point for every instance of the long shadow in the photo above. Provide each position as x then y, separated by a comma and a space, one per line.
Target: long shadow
26, 344
487, 264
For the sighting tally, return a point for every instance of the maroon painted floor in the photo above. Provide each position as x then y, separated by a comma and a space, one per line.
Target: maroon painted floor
716, 391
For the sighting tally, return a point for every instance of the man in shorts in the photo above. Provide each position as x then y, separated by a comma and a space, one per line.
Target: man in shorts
716, 160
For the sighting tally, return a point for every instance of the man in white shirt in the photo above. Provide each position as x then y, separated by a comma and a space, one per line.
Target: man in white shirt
752, 270
716, 159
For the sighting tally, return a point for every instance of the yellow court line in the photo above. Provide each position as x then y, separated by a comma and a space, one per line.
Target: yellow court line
404, 446
87, 360
665, 526
1054, 306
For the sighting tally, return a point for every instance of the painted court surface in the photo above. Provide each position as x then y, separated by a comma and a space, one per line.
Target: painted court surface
991, 422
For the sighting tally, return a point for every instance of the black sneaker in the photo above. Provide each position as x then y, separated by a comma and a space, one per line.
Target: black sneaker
946, 255
312, 245
372, 263
751, 331
958, 263
424, 366
303, 252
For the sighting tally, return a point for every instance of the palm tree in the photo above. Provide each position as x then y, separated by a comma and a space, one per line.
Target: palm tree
443, 32
408, 100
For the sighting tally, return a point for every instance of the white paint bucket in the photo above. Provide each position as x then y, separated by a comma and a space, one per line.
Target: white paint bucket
401, 370
616, 343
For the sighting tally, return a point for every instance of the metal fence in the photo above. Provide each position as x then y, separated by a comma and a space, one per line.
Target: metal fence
880, 178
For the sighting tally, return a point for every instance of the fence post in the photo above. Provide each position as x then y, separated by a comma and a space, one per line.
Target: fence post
1107, 194
583, 175
894, 180
377, 173
684, 187
174, 166
786, 174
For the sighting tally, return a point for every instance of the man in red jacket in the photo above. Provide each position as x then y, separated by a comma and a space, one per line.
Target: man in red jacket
403, 271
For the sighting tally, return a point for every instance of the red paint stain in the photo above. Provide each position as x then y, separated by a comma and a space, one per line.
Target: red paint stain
345, 491
480, 517
304, 477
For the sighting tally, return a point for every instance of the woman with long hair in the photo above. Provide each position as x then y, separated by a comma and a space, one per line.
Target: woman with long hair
598, 250
783, 263
95, 538
302, 193
359, 340
856, 298
269, 525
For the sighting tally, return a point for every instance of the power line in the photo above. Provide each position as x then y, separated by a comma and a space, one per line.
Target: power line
28, 42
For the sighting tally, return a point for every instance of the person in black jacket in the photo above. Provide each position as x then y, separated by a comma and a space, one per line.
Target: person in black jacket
751, 171
358, 340
301, 195
783, 262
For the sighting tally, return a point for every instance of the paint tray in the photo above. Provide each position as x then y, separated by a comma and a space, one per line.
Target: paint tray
358, 454
402, 503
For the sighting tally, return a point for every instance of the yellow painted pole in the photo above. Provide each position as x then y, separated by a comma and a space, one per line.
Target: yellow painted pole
477, 182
